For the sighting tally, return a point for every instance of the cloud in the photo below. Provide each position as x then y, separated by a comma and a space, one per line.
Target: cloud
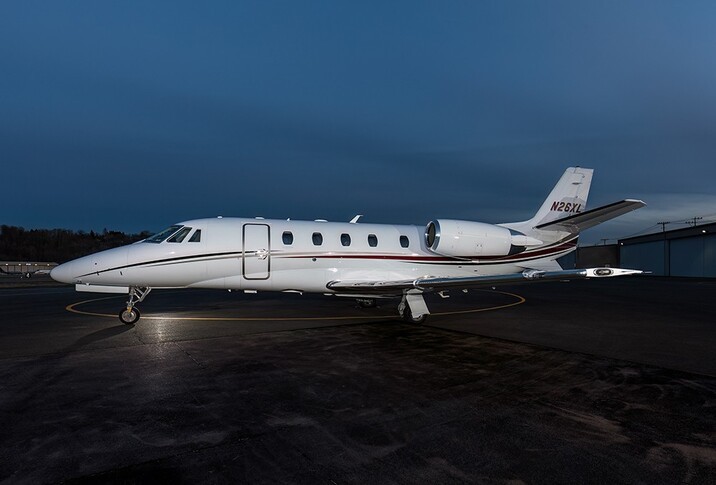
677, 209
467, 110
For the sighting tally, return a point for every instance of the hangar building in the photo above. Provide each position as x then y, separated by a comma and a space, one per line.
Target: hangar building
683, 252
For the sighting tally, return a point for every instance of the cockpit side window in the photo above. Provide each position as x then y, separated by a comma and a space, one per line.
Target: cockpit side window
180, 235
161, 236
196, 237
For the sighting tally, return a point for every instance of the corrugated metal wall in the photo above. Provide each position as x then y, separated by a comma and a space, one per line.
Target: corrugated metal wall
648, 256
593, 256
710, 256
687, 256
693, 256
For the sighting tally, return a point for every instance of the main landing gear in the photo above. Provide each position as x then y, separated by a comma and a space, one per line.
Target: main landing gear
130, 315
412, 308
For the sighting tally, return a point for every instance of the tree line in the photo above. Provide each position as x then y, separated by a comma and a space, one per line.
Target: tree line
58, 245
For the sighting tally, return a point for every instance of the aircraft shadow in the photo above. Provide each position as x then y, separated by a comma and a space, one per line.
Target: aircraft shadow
99, 335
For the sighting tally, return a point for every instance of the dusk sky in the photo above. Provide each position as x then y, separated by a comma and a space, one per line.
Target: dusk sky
135, 115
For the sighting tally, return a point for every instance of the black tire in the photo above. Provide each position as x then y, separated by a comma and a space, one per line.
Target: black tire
408, 317
129, 317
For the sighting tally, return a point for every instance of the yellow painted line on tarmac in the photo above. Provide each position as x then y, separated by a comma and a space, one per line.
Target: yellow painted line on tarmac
73, 308
520, 301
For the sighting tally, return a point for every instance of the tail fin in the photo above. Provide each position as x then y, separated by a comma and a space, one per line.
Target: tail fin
567, 198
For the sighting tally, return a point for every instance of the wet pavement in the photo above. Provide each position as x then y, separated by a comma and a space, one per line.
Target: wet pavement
577, 383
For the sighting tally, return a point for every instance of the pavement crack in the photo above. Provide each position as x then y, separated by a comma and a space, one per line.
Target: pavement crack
182, 349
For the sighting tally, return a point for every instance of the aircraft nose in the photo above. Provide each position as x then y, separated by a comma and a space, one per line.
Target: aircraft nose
62, 273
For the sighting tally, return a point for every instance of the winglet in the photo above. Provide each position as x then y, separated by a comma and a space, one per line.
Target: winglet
609, 272
355, 219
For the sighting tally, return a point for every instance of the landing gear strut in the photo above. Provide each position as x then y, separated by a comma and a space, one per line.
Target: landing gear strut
130, 315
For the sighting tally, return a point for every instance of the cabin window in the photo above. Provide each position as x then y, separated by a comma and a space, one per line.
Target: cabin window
196, 237
161, 236
180, 235
317, 238
404, 241
345, 239
287, 238
372, 240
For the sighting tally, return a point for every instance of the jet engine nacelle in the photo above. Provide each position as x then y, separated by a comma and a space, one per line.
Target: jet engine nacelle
466, 239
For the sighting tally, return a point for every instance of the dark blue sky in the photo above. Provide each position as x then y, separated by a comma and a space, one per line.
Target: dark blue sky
134, 115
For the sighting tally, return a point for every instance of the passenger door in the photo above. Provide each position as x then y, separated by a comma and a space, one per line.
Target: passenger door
257, 251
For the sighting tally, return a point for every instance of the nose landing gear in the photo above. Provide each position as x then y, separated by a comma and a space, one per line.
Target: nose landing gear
130, 315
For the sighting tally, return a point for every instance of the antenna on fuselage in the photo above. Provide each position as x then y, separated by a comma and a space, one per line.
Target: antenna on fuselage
355, 219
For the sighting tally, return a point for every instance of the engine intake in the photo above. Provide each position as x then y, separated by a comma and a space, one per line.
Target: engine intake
467, 239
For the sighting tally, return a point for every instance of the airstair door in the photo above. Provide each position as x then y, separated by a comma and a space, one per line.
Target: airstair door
257, 251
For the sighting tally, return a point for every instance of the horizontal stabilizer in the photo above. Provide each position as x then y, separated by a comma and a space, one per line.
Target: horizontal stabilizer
438, 284
584, 220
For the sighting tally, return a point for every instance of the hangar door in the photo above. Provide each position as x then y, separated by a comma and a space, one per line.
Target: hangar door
648, 256
686, 256
257, 252
694, 256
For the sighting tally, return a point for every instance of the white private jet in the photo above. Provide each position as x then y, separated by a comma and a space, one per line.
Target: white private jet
363, 261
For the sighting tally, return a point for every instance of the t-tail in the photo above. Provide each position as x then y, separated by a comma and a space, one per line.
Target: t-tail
567, 198
564, 211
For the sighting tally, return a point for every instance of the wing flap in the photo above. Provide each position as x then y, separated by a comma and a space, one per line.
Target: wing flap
585, 220
437, 284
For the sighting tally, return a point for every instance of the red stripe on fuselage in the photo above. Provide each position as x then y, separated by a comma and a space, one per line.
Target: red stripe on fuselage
375, 256
527, 255
532, 254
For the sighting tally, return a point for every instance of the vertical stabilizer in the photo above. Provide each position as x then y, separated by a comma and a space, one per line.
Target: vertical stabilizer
567, 198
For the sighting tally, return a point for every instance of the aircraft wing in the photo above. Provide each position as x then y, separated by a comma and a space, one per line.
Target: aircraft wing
439, 284
585, 220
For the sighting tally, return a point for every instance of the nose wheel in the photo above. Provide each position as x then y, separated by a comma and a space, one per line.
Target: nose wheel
130, 315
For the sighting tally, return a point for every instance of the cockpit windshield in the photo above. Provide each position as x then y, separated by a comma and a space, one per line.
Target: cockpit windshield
179, 236
161, 236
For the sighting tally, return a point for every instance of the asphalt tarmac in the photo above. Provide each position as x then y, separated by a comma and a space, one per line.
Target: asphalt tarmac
608, 381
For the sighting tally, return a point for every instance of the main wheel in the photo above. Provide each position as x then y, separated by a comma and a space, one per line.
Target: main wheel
408, 317
129, 317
